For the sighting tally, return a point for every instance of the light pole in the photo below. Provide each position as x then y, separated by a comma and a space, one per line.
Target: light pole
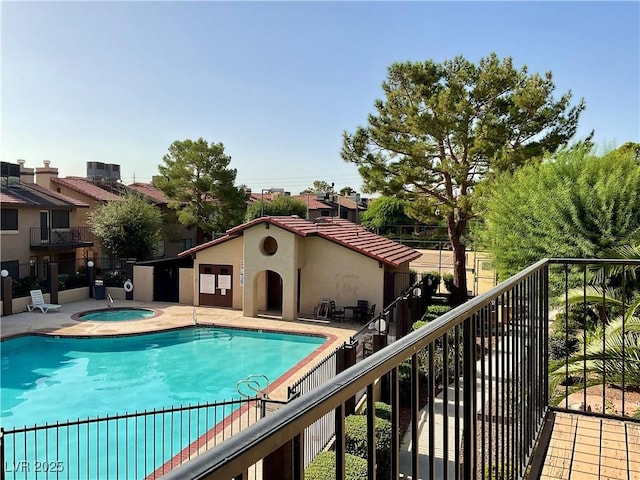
262, 200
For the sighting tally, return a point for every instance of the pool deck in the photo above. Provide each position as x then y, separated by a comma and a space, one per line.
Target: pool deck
172, 316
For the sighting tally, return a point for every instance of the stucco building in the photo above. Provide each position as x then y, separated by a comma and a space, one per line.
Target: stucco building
288, 265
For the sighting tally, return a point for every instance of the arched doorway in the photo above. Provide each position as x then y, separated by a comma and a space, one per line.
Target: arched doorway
274, 293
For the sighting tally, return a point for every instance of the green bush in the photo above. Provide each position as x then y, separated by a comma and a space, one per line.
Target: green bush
382, 410
115, 279
434, 311
447, 278
419, 324
435, 281
356, 442
74, 280
323, 467
22, 286
562, 346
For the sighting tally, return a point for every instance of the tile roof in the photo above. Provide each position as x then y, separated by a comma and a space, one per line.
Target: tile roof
85, 187
30, 194
149, 191
342, 232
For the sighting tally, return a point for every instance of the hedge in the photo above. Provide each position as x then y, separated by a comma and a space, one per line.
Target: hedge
323, 467
356, 442
382, 410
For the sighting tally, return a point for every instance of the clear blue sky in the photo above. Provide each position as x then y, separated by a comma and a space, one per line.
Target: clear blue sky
277, 83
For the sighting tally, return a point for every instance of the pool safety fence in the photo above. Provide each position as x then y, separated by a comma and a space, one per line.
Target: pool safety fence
136, 445
485, 373
406, 309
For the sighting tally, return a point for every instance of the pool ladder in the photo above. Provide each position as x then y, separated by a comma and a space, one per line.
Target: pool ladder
251, 383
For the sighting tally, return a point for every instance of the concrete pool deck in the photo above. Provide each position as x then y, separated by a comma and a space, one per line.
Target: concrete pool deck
171, 316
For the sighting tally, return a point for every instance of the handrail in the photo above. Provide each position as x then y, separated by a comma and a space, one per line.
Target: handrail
257, 441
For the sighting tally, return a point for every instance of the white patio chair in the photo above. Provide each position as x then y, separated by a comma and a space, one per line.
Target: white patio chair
37, 301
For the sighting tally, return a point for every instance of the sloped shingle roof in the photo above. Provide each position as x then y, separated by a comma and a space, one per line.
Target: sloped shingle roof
31, 194
83, 186
336, 230
150, 192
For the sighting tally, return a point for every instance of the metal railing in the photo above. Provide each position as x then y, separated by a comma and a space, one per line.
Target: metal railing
72, 237
134, 445
484, 368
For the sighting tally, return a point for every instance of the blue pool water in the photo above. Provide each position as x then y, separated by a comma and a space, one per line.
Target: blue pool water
47, 379
117, 314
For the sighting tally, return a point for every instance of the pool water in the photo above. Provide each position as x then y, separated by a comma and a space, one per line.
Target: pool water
117, 314
48, 379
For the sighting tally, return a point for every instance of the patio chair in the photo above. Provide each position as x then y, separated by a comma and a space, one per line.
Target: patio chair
371, 313
336, 313
362, 312
37, 301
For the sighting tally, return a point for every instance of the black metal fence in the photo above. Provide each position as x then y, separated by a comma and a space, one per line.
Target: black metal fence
479, 374
134, 445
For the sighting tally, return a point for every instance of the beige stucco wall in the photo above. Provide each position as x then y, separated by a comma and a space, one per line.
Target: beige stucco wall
337, 273
284, 262
227, 253
73, 295
16, 245
143, 283
185, 286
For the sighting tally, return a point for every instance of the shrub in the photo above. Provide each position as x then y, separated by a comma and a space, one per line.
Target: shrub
323, 467
561, 346
434, 311
356, 441
23, 286
419, 324
382, 410
115, 279
447, 278
435, 281
74, 280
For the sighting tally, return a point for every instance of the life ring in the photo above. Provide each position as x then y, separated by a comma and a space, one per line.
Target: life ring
128, 286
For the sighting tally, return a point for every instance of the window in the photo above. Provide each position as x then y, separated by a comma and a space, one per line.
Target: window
187, 243
9, 219
324, 213
59, 218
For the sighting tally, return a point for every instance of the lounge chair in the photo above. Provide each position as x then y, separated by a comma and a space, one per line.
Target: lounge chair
37, 301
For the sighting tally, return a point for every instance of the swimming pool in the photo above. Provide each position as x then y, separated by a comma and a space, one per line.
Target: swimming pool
46, 379
115, 314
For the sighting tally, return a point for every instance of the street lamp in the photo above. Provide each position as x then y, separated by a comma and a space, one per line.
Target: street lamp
90, 264
4, 273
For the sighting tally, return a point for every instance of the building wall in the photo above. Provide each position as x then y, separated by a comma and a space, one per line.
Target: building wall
16, 245
227, 253
143, 283
283, 261
185, 285
331, 271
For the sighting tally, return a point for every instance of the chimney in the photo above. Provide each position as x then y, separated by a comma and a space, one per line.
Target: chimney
45, 174
26, 174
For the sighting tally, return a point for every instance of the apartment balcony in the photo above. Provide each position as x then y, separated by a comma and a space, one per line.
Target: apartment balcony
60, 238
502, 400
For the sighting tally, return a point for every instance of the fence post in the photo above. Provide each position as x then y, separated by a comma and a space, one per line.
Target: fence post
7, 296
128, 271
403, 327
280, 464
52, 281
469, 398
91, 276
345, 358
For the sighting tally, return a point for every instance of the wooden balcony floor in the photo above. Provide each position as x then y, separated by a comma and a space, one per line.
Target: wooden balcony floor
589, 448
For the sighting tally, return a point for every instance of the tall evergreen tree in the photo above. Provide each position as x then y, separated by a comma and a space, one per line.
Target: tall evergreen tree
443, 127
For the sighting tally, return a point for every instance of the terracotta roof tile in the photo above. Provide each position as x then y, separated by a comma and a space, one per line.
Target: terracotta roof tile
149, 191
342, 232
83, 186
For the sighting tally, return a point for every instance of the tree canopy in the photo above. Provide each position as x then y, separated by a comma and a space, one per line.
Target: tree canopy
574, 204
127, 228
200, 186
444, 127
281, 205
319, 186
385, 211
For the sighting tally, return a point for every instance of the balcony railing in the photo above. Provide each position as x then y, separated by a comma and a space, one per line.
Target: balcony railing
485, 369
50, 238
